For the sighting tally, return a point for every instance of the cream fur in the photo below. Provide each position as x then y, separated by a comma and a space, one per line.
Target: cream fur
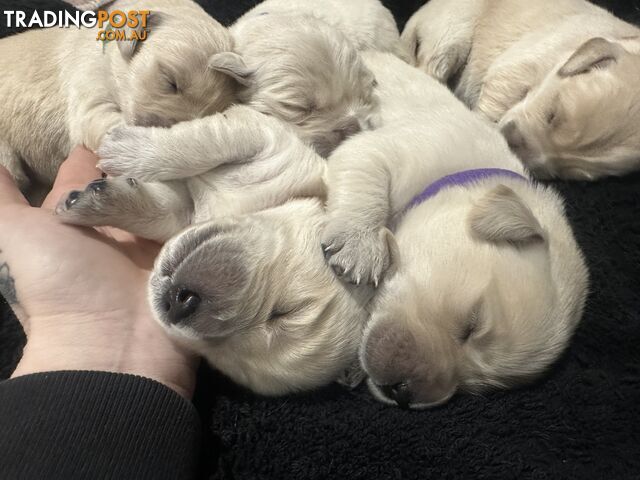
511, 58
236, 162
60, 89
485, 283
274, 318
296, 61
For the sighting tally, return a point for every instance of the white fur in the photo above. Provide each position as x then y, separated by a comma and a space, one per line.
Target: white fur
61, 88
296, 61
496, 259
235, 162
274, 317
511, 57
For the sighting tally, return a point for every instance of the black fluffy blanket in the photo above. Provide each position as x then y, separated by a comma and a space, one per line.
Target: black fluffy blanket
581, 421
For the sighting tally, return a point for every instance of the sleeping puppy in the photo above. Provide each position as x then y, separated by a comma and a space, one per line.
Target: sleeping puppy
484, 281
367, 24
296, 66
252, 294
558, 76
236, 162
61, 87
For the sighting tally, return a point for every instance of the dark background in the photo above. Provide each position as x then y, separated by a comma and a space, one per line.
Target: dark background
582, 421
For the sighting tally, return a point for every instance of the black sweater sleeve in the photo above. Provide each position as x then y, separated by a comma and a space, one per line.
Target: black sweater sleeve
94, 425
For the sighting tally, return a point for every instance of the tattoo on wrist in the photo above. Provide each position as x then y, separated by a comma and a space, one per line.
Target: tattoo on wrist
7, 284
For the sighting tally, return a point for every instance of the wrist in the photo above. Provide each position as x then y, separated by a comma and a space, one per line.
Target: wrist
143, 351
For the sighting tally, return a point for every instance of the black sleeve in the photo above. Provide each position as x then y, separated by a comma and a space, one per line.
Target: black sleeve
94, 425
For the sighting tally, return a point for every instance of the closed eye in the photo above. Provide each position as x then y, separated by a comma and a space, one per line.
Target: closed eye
471, 326
551, 117
171, 84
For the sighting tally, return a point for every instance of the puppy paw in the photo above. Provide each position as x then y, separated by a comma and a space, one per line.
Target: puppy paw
102, 202
357, 255
129, 152
352, 376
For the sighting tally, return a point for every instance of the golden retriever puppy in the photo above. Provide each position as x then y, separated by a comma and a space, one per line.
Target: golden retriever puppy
293, 64
558, 76
61, 87
252, 294
484, 281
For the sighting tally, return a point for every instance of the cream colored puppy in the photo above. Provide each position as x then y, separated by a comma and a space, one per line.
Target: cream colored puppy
254, 296
62, 87
558, 76
293, 64
367, 24
485, 283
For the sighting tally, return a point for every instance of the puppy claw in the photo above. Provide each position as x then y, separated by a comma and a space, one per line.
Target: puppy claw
97, 186
72, 198
362, 256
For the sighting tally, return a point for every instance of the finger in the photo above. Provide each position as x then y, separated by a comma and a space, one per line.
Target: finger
9, 192
75, 173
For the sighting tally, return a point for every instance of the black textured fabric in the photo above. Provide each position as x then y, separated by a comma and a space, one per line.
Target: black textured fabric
93, 425
582, 421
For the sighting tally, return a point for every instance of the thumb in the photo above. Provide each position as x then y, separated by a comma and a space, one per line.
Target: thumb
9, 192
74, 174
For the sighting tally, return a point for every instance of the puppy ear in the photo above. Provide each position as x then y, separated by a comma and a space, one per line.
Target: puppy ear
128, 48
233, 65
394, 252
595, 53
502, 217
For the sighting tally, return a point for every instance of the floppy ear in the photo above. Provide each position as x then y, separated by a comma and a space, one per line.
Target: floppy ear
233, 65
502, 217
394, 252
595, 53
128, 48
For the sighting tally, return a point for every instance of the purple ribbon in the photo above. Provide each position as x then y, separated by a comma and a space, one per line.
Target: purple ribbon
460, 179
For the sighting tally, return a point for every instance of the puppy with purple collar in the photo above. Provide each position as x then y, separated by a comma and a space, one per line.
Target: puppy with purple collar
481, 284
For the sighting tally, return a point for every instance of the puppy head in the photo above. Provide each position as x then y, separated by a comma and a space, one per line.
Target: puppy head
165, 79
254, 296
581, 122
306, 73
489, 301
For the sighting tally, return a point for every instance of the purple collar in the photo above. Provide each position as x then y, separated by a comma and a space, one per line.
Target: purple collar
460, 179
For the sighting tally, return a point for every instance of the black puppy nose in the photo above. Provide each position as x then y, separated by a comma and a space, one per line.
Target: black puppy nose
399, 393
181, 303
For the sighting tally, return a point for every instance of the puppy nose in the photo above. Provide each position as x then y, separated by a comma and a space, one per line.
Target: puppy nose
513, 135
180, 304
399, 393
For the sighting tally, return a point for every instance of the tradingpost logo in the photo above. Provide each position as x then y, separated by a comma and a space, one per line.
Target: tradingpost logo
116, 25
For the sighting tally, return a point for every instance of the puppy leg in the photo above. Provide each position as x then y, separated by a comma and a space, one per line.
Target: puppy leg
188, 149
440, 34
363, 195
156, 211
10, 160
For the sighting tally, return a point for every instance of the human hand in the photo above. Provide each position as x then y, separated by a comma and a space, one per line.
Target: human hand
81, 293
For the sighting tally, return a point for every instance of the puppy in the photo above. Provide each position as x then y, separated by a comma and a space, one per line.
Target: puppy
558, 76
62, 87
294, 65
484, 281
236, 162
367, 24
253, 295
